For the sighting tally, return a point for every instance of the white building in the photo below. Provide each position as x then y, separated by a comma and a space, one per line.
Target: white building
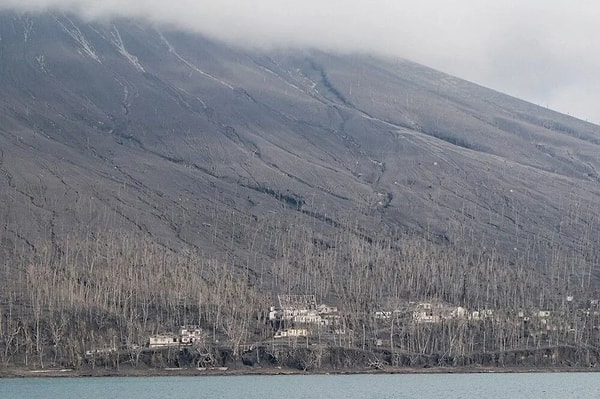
189, 335
424, 313
458, 313
326, 309
163, 341
291, 332
302, 309
482, 314
383, 315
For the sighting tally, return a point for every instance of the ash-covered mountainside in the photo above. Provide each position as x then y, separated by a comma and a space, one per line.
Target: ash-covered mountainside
123, 126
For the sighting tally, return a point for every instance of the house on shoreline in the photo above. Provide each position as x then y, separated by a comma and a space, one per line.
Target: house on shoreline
187, 336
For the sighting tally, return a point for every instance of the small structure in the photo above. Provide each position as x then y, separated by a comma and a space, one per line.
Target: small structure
326, 309
274, 313
302, 309
291, 332
458, 313
482, 314
189, 335
163, 341
383, 315
291, 306
100, 351
424, 313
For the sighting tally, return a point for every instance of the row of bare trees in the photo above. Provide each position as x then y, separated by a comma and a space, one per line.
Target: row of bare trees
113, 290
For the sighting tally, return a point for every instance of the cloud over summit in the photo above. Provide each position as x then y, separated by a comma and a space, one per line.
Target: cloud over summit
545, 52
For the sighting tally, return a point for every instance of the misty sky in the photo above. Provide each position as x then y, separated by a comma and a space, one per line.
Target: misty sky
547, 52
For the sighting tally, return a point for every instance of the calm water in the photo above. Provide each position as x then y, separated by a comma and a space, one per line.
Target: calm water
505, 386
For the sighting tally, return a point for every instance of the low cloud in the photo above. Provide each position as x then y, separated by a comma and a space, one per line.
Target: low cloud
545, 52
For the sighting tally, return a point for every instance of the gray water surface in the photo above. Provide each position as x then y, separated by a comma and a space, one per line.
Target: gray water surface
447, 386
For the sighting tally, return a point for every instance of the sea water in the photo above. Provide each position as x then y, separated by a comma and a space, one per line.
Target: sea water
447, 386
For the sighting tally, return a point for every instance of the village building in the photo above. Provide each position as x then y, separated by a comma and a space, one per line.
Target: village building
291, 332
458, 313
163, 341
424, 313
302, 309
482, 314
427, 312
190, 335
100, 351
383, 315
294, 311
326, 309
292, 306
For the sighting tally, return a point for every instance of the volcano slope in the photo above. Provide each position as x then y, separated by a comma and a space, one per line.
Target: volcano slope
152, 178
121, 126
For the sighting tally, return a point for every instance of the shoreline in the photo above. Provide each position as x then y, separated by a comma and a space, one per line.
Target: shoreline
190, 372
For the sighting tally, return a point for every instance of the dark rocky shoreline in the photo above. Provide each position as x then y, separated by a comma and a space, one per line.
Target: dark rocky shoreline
312, 360
129, 372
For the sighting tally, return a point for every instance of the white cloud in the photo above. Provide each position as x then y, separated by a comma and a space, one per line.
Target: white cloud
544, 51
